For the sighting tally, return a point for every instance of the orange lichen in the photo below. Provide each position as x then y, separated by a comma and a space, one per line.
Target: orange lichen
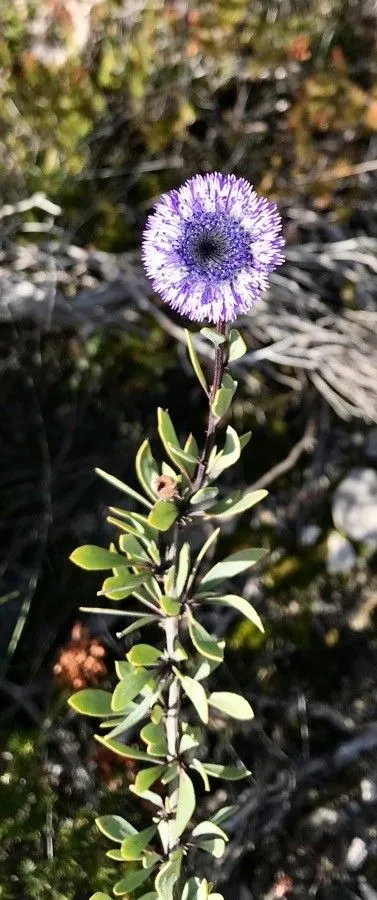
81, 662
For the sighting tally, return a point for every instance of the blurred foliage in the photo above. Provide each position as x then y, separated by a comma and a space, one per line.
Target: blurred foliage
126, 99
36, 816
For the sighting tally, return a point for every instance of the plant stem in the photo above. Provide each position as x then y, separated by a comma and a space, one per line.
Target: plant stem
172, 622
220, 362
172, 703
172, 725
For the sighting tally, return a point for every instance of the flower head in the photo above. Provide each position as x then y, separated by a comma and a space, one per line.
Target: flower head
210, 246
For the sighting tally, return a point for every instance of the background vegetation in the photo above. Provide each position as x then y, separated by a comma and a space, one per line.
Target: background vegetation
104, 105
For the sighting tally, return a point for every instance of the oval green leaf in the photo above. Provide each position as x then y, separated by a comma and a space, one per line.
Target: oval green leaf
95, 558
133, 845
131, 881
147, 469
124, 750
163, 515
234, 505
143, 655
233, 705
241, 605
195, 362
115, 827
196, 693
117, 483
205, 644
232, 565
186, 803
129, 688
92, 702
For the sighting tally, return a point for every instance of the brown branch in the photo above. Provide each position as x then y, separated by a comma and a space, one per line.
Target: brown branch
304, 445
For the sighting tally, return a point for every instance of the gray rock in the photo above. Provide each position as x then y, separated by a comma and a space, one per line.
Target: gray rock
309, 535
341, 556
354, 506
356, 854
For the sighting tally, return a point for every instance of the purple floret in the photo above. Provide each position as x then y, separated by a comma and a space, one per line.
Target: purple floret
210, 246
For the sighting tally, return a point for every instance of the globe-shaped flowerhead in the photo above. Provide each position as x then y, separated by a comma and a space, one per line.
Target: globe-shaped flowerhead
210, 246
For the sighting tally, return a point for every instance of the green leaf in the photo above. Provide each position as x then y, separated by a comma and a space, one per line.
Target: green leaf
196, 693
115, 827
129, 688
131, 881
224, 396
133, 845
146, 777
209, 828
211, 335
163, 515
244, 439
204, 496
168, 876
92, 702
198, 767
195, 362
136, 553
222, 401
143, 655
222, 814
214, 846
190, 737
196, 889
124, 749
186, 803
233, 504
191, 447
241, 605
206, 667
123, 584
183, 456
237, 346
96, 558
151, 896
136, 523
147, 469
202, 552
205, 644
171, 772
136, 715
155, 736
149, 796
170, 606
229, 773
99, 895
229, 455
125, 488
183, 569
169, 580
232, 565
231, 704
115, 854
167, 432
140, 622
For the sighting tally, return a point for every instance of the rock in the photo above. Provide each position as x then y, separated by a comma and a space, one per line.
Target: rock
324, 817
309, 535
341, 556
354, 506
368, 790
356, 854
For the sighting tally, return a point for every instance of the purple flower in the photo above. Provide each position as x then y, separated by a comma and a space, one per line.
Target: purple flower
210, 246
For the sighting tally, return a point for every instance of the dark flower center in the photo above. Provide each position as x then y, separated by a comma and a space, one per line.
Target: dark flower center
214, 246
209, 248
